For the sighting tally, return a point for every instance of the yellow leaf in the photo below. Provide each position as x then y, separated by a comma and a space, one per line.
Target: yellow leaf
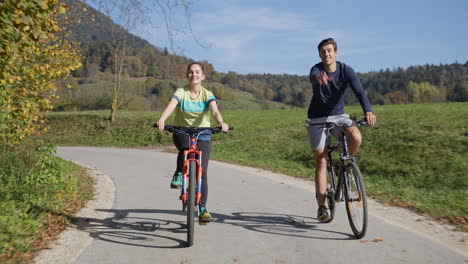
44, 5
62, 10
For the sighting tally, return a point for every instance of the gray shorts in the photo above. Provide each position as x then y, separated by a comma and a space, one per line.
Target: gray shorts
317, 133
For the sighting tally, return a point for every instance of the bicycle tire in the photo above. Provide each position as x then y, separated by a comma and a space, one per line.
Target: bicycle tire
356, 199
331, 191
191, 202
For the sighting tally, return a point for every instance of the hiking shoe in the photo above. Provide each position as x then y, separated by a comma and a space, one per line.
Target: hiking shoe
204, 217
322, 214
176, 182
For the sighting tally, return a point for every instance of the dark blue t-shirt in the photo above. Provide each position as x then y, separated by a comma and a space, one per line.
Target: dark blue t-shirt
328, 99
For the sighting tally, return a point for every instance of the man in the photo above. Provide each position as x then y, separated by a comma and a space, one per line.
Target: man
329, 79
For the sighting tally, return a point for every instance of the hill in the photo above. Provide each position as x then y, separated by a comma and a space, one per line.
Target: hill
151, 73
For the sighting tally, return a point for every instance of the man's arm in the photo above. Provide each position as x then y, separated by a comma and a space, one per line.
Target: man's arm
356, 86
361, 95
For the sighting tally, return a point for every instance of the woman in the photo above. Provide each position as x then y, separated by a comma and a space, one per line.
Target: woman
192, 105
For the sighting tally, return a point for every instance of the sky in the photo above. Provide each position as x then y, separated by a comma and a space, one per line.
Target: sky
281, 36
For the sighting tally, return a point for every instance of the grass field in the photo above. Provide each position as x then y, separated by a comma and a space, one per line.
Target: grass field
415, 157
96, 95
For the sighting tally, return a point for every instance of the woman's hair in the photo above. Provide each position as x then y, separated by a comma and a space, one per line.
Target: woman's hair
326, 42
197, 63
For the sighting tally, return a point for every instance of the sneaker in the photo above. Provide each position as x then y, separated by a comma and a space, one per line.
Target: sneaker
322, 214
204, 217
176, 182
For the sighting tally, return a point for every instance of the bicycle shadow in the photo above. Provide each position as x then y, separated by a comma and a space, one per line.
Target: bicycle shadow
139, 227
281, 224
133, 228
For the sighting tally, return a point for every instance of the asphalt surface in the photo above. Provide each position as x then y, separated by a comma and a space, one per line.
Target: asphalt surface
257, 218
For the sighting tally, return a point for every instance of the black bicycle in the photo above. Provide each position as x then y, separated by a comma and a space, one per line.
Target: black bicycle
345, 180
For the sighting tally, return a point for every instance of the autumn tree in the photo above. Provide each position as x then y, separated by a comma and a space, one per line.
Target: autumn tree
422, 92
33, 54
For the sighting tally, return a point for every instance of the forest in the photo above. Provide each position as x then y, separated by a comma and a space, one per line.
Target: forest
150, 74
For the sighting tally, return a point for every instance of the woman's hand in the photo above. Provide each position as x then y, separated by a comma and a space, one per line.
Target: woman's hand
161, 125
224, 127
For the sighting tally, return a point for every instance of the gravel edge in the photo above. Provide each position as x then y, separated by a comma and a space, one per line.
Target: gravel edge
69, 244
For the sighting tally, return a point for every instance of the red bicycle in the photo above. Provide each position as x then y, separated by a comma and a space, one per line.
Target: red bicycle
191, 190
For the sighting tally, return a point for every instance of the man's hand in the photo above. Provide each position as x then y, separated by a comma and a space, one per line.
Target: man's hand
323, 78
371, 119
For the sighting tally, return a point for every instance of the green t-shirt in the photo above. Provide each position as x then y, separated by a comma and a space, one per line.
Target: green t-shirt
193, 112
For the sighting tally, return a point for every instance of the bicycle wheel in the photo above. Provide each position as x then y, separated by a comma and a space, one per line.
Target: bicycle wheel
331, 191
355, 198
191, 202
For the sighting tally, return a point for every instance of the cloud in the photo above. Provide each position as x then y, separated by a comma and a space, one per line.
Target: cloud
260, 18
231, 47
234, 30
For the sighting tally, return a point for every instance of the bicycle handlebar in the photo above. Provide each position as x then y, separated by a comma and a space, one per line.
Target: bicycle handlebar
361, 122
213, 130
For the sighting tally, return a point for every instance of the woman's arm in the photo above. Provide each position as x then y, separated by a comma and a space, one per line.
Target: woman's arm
166, 113
218, 117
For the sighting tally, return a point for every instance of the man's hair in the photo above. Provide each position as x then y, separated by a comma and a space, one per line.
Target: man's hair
326, 42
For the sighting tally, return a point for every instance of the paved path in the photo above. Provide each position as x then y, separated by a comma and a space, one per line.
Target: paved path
258, 218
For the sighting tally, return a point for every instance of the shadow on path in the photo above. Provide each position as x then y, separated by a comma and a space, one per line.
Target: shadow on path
140, 227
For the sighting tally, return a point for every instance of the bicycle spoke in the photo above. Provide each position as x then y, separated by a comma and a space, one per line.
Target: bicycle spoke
356, 205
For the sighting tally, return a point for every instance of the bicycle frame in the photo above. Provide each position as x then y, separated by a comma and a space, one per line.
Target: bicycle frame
344, 156
192, 154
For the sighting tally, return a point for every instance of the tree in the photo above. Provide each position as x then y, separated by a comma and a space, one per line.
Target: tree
33, 53
422, 92
231, 79
131, 15
459, 92
397, 97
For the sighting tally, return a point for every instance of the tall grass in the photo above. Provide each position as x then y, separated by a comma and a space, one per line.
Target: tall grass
416, 156
37, 193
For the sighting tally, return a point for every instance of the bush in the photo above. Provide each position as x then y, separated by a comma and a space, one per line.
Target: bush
37, 193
